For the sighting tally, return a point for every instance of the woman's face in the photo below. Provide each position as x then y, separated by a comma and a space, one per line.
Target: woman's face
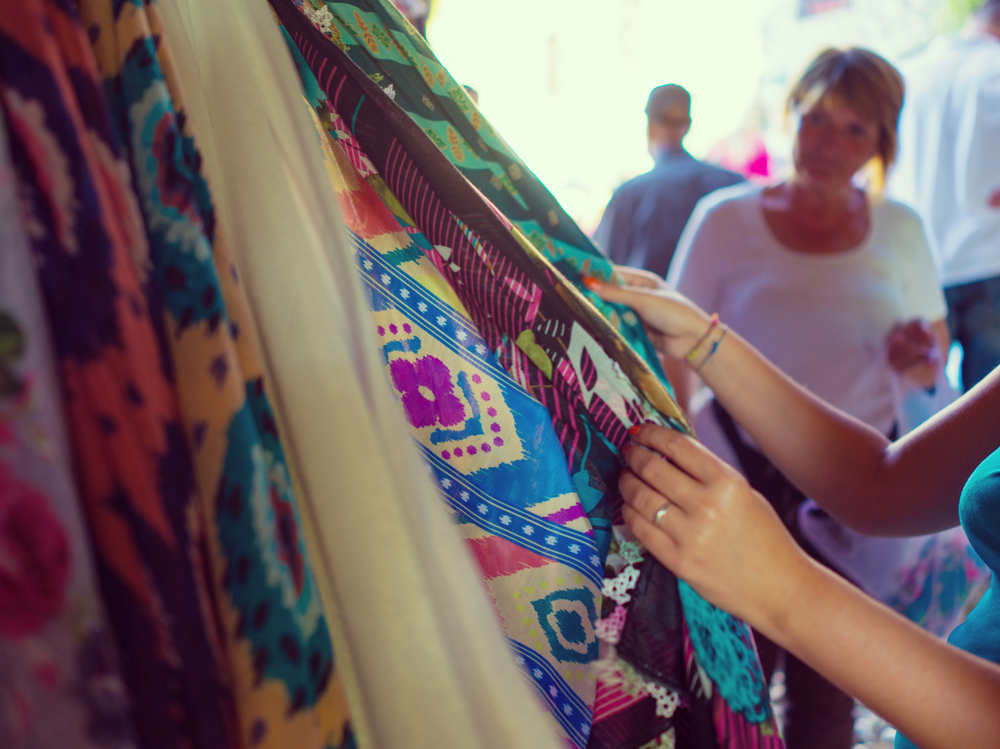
833, 142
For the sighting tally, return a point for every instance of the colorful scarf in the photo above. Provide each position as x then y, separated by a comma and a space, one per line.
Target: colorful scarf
272, 623
492, 447
60, 683
404, 66
554, 345
133, 468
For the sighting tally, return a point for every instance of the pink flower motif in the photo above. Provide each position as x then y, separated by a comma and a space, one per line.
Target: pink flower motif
428, 392
34, 559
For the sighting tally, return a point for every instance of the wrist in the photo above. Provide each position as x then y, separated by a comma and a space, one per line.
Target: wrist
804, 579
708, 344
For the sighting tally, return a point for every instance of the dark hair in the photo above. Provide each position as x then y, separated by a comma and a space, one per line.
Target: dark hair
860, 80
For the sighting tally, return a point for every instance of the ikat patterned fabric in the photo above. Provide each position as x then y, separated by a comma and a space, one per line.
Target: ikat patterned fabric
551, 343
277, 642
491, 446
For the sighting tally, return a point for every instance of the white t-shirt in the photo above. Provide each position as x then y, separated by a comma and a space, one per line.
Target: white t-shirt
822, 319
949, 153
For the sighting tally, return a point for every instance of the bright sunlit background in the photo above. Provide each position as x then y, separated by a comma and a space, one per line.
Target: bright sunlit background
565, 81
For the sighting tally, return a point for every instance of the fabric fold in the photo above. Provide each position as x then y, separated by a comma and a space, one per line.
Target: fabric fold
425, 664
279, 654
133, 470
60, 678
542, 331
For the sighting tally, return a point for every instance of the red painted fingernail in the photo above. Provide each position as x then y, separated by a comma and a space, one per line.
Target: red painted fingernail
634, 429
592, 283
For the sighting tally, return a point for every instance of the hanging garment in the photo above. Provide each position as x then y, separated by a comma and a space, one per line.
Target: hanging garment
424, 662
60, 682
490, 445
555, 345
133, 470
378, 39
278, 644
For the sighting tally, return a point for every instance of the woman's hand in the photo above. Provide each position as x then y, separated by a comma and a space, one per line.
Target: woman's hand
913, 351
674, 324
717, 533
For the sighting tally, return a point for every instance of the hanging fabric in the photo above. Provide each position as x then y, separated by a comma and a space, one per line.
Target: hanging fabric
272, 623
133, 469
379, 40
490, 445
60, 682
554, 345
423, 660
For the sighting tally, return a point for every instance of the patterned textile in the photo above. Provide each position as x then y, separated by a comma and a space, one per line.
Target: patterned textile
380, 42
490, 445
133, 469
278, 643
556, 346
425, 665
60, 684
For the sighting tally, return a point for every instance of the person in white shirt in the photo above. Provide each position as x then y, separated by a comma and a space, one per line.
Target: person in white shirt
835, 286
949, 170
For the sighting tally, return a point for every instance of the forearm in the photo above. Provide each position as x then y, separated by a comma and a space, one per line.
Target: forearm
899, 670
831, 457
908, 488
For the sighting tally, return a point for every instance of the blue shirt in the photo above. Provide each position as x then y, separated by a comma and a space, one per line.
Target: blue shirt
979, 511
647, 214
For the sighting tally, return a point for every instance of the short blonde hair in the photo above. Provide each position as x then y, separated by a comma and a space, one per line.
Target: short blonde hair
860, 80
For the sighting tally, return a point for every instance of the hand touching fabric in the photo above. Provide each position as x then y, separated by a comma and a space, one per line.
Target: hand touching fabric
716, 533
672, 322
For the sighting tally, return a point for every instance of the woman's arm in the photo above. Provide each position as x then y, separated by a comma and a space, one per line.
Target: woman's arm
908, 488
726, 541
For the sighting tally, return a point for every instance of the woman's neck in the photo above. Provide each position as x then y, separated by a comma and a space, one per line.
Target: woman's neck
816, 218
818, 203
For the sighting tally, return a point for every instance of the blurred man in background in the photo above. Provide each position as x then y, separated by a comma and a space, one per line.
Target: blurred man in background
646, 215
949, 169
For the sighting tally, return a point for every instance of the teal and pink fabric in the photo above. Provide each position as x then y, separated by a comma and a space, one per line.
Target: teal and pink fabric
558, 348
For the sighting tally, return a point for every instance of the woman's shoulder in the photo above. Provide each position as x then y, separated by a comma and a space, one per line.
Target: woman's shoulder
897, 215
732, 205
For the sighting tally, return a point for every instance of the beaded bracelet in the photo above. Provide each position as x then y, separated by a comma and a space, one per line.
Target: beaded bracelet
693, 353
715, 347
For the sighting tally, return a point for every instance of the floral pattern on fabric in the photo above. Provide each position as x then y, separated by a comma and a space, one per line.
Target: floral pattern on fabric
60, 682
490, 446
134, 472
537, 326
273, 627
378, 39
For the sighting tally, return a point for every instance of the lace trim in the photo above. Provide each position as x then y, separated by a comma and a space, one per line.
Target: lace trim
618, 588
666, 740
667, 700
630, 551
614, 672
609, 629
